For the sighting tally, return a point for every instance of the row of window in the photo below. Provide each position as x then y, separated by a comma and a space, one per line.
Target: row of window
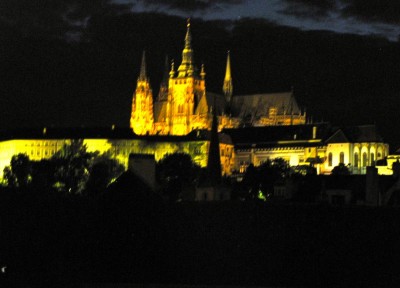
364, 160
184, 82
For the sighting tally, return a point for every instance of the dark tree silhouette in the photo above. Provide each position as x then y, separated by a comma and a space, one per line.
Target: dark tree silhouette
18, 174
103, 171
72, 164
341, 169
176, 173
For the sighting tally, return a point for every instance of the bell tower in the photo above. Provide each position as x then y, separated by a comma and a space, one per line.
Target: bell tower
186, 87
142, 118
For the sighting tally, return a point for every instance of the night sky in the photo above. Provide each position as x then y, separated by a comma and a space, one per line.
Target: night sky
72, 63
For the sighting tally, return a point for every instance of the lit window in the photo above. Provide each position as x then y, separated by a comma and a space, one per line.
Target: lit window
355, 160
364, 159
341, 158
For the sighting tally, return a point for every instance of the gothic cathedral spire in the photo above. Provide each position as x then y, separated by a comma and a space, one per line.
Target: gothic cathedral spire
142, 103
187, 67
228, 87
142, 74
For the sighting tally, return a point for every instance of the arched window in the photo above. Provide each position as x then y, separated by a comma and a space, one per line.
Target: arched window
364, 159
372, 159
330, 159
355, 160
341, 157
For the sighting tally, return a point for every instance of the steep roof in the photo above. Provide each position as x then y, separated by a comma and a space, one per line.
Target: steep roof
338, 137
258, 105
363, 133
208, 101
356, 134
271, 136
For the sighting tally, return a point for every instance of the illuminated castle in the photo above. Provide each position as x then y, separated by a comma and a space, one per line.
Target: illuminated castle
253, 128
183, 104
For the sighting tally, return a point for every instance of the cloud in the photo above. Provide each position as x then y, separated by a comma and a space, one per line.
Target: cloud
380, 11
309, 8
189, 5
384, 11
53, 18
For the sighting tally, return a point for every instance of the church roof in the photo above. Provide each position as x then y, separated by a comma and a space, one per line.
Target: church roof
356, 134
274, 136
207, 101
258, 105
363, 133
338, 137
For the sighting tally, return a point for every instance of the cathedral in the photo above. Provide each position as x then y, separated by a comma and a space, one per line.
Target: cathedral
183, 104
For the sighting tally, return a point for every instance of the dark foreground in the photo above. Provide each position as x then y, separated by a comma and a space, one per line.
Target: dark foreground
56, 241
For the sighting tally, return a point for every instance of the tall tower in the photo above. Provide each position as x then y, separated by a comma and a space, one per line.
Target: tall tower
142, 118
186, 88
228, 87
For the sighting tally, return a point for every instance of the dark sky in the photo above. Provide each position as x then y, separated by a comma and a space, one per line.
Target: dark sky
75, 63
363, 17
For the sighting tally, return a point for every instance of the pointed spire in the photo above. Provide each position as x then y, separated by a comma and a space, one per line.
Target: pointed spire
143, 75
228, 87
202, 72
188, 37
187, 67
172, 71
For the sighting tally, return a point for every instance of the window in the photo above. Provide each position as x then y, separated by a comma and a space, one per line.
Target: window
330, 159
180, 108
364, 159
341, 157
372, 159
355, 160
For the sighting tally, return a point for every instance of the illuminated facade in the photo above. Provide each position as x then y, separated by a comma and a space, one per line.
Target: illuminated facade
119, 143
183, 104
319, 145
